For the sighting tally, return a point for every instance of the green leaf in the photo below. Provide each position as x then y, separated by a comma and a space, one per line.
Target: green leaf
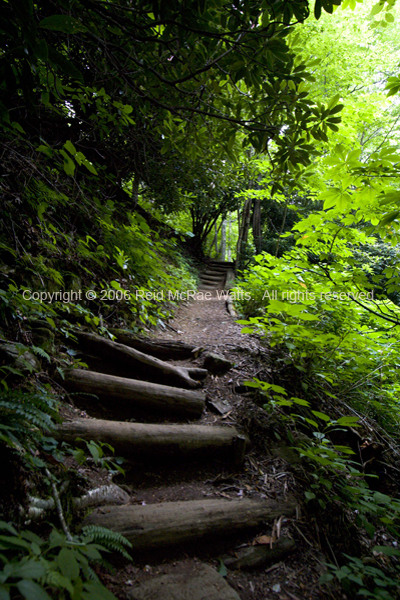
68, 564
253, 384
68, 165
89, 166
4, 593
70, 147
29, 570
31, 590
96, 591
222, 569
321, 415
51, 322
300, 401
45, 149
63, 23
336, 109
95, 451
387, 550
389, 218
265, 19
377, 8
348, 421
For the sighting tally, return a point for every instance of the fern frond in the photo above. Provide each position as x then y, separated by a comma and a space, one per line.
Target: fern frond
40, 352
23, 416
111, 540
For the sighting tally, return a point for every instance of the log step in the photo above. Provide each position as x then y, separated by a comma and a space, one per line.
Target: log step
164, 349
212, 275
117, 359
221, 263
215, 272
207, 279
151, 397
139, 440
158, 525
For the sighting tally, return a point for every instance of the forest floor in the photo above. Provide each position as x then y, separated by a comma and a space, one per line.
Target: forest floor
270, 470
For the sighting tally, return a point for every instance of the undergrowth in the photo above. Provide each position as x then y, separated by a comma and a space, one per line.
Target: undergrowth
335, 367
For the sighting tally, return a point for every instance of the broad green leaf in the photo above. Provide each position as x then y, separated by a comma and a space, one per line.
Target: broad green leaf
4, 593
348, 421
96, 591
70, 147
387, 550
377, 8
321, 415
31, 590
45, 149
89, 166
68, 564
300, 401
389, 218
29, 570
222, 570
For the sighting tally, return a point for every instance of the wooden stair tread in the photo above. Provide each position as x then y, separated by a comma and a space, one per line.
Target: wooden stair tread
157, 525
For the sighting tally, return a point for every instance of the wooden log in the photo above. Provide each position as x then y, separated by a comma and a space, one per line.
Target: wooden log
139, 439
137, 363
257, 556
206, 276
197, 373
164, 349
157, 525
139, 394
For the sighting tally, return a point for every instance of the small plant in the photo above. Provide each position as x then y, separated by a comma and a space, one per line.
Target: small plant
57, 567
361, 579
24, 416
96, 450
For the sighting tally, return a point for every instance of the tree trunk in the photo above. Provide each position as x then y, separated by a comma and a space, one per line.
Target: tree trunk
139, 440
139, 394
134, 364
222, 248
229, 250
163, 349
157, 525
257, 233
244, 224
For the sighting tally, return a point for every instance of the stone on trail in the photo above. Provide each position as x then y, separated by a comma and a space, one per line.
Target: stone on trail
216, 363
201, 583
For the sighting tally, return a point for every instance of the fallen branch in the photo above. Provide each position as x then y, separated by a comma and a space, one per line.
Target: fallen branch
58, 507
105, 494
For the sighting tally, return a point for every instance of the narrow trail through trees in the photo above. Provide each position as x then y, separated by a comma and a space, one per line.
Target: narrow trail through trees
181, 444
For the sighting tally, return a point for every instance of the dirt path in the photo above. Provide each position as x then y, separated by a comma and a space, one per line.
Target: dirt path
264, 474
